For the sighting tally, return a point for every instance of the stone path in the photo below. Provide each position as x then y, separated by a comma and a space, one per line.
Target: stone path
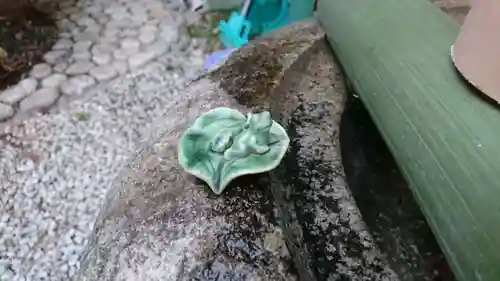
100, 40
125, 60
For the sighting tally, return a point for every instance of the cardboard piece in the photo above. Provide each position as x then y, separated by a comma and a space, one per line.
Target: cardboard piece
476, 52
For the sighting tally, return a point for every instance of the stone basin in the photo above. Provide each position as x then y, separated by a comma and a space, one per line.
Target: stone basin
297, 222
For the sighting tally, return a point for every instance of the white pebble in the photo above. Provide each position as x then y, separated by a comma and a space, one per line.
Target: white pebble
6, 112
53, 57
54, 80
41, 70
79, 67
63, 44
77, 85
140, 59
44, 97
104, 72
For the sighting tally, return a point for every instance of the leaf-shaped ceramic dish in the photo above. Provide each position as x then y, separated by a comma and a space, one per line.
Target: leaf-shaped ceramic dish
224, 144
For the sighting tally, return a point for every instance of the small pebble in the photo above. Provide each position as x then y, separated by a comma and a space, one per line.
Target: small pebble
140, 59
41, 70
104, 72
54, 80
79, 67
77, 85
44, 97
6, 111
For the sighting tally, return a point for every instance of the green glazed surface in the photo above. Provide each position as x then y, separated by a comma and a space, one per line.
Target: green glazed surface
224, 144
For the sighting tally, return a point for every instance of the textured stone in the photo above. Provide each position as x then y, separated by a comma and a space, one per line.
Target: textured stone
42, 98
130, 45
6, 112
104, 72
86, 21
102, 48
16, 93
238, 236
79, 67
158, 48
129, 32
82, 55
53, 57
28, 85
41, 70
101, 58
120, 66
60, 66
147, 37
63, 44
140, 59
121, 54
169, 35
111, 32
101, 53
82, 46
77, 85
54, 80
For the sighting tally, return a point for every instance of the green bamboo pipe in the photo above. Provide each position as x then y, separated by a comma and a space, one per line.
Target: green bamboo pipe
444, 136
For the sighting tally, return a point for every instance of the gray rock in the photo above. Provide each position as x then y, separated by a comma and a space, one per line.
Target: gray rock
63, 44
42, 98
79, 67
104, 72
16, 93
120, 66
82, 46
102, 49
121, 54
130, 45
53, 57
113, 32
28, 85
60, 66
41, 70
6, 112
77, 85
13, 95
169, 35
81, 55
159, 223
147, 37
140, 59
89, 35
101, 54
86, 21
158, 48
129, 32
54, 80
101, 58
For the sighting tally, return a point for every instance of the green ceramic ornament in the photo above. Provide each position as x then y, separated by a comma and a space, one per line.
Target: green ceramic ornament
224, 144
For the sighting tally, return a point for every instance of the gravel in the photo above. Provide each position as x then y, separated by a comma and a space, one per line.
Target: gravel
55, 168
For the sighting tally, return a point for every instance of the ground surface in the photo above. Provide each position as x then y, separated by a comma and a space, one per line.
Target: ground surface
55, 167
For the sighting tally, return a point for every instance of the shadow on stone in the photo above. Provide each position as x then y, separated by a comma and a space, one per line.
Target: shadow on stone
385, 201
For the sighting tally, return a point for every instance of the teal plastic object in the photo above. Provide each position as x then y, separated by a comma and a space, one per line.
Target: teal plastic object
266, 15
234, 33
261, 16
224, 144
